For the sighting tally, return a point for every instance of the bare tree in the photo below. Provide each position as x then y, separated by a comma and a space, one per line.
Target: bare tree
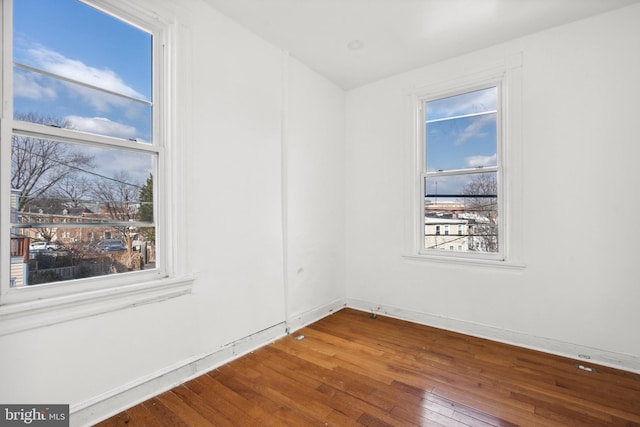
47, 233
481, 204
119, 196
38, 165
72, 191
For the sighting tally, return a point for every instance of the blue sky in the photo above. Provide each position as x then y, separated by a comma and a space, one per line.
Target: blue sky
460, 134
75, 41
461, 131
81, 33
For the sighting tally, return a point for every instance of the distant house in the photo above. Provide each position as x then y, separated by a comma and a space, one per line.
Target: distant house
452, 226
19, 248
68, 235
452, 234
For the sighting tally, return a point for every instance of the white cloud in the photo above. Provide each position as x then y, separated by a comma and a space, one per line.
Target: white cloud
479, 161
57, 63
39, 87
27, 86
473, 130
471, 102
133, 168
101, 126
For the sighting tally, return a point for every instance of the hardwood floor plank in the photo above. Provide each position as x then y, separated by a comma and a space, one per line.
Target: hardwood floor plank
235, 383
139, 415
163, 416
353, 407
204, 387
190, 416
305, 402
371, 421
421, 417
352, 370
260, 394
359, 386
120, 419
203, 407
238, 401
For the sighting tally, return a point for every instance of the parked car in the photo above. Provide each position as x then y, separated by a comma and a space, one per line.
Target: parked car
43, 246
102, 244
114, 248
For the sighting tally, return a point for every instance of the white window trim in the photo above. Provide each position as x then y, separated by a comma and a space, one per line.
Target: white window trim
496, 81
37, 306
508, 75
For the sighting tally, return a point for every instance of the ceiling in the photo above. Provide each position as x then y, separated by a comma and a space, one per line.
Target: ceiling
355, 42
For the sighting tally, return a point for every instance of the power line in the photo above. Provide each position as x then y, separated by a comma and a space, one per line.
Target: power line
60, 162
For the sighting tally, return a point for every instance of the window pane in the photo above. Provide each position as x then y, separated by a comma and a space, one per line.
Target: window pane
461, 131
468, 203
46, 100
67, 198
83, 67
479, 101
463, 143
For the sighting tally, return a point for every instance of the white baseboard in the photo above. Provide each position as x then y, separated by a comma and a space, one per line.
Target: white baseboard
574, 351
108, 404
298, 321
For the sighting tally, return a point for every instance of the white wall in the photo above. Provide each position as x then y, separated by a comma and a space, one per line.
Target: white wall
233, 93
579, 290
235, 216
314, 156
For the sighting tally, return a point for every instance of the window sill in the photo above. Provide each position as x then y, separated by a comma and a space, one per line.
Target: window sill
466, 261
45, 312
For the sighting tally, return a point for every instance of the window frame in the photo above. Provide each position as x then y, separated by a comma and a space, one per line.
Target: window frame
60, 301
424, 174
506, 74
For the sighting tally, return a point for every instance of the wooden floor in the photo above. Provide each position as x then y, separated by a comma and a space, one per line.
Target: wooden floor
352, 370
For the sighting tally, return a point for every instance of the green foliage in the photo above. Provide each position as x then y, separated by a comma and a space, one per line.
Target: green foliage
146, 201
146, 210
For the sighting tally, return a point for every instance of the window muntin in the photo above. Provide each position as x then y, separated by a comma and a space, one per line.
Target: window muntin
81, 107
461, 169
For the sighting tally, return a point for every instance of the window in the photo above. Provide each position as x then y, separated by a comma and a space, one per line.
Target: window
462, 166
465, 173
83, 153
84, 149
